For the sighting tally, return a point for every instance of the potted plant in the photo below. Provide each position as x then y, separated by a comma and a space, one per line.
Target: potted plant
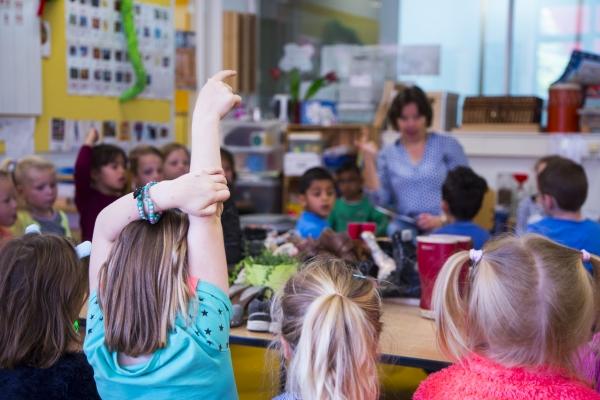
268, 269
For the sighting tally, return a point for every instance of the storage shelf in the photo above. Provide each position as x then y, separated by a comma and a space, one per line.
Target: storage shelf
521, 144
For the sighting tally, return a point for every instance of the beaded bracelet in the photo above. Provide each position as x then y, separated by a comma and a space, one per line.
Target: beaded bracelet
151, 216
139, 196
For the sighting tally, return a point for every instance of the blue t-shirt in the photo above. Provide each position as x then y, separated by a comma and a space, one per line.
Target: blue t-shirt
467, 228
579, 235
310, 225
195, 364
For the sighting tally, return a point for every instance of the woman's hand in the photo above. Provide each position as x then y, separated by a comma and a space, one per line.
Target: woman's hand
92, 137
216, 98
195, 193
429, 222
366, 147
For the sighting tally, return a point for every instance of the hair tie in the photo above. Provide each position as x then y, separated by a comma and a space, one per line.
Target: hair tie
33, 228
83, 249
475, 255
11, 166
585, 256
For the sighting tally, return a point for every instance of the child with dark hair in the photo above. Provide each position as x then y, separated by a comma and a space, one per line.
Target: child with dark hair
100, 179
353, 206
462, 194
563, 189
230, 218
317, 195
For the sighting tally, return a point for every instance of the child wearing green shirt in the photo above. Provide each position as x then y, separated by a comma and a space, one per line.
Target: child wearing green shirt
352, 206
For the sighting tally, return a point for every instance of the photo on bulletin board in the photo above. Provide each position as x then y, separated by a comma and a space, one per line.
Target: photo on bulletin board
109, 130
124, 131
138, 131
57, 134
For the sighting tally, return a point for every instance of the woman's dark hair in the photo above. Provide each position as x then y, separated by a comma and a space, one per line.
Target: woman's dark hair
104, 154
412, 94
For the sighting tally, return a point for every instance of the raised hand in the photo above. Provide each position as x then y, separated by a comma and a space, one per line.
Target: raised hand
195, 193
92, 137
216, 97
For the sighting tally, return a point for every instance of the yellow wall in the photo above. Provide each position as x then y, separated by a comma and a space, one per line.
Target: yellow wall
57, 103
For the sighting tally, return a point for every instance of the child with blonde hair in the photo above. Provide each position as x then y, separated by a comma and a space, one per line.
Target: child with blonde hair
8, 206
36, 184
145, 165
100, 179
515, 331
158, 312
42, 289
330, 323
176, 160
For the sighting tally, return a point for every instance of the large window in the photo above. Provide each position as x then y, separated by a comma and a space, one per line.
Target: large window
473, 38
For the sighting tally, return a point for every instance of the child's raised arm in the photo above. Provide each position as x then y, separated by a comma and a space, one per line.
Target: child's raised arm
206, 250
192, 193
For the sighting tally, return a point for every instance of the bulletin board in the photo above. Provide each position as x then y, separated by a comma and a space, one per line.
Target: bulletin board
62, 112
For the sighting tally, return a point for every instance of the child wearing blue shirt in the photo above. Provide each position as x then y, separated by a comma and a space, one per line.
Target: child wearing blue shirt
462, 195
158, 316
317, 195
563, 189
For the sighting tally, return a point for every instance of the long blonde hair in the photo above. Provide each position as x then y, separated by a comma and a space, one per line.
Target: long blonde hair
331, 320
530, 303
143, 284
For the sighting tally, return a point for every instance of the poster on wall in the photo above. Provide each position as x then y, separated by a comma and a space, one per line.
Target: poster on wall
66, 135
97, 59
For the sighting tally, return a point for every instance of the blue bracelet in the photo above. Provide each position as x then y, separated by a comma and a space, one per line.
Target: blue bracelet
151, 216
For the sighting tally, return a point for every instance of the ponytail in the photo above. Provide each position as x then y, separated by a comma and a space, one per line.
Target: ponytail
450, 306
331, 320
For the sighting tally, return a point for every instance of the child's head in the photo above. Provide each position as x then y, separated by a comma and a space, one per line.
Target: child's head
542, 162
143, 284
228, 165
563, 186
8, 200
317, 191
176, 160
530, 302
109, 165
462, 193
330, 326
35, 181
145, 165
349, 181
43, 286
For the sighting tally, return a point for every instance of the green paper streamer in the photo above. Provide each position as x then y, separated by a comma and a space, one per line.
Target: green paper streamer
134, 52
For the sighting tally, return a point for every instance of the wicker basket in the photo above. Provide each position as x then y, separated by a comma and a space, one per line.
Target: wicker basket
502, 110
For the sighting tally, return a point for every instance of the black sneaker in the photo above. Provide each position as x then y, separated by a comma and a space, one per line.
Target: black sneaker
259, 315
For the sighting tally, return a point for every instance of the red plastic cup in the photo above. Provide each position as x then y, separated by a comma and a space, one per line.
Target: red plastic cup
354, 229
432, 252
368, 227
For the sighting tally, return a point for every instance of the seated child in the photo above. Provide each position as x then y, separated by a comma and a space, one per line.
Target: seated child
514, 334
176, 160
158, 313
100, 178
317, 195
8, 206
42, 292
529, 209
563, 189
145, 165
353, 206
462, 194
230, 218
330, 322
35, 181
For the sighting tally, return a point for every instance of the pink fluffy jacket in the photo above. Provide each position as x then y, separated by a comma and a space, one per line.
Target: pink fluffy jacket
482, 379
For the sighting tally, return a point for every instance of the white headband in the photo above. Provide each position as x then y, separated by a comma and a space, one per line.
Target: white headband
475, 255
83, 249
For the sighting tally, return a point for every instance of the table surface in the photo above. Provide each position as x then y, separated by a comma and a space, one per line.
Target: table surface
407, 338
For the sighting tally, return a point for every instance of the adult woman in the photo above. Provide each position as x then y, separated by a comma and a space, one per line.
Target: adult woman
408, 175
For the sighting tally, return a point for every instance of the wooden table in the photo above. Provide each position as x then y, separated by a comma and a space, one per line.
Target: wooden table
407, 338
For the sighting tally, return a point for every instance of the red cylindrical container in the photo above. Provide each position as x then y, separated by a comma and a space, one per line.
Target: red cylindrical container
564, 100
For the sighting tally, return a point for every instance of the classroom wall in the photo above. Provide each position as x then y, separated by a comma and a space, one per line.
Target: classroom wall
57, 103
